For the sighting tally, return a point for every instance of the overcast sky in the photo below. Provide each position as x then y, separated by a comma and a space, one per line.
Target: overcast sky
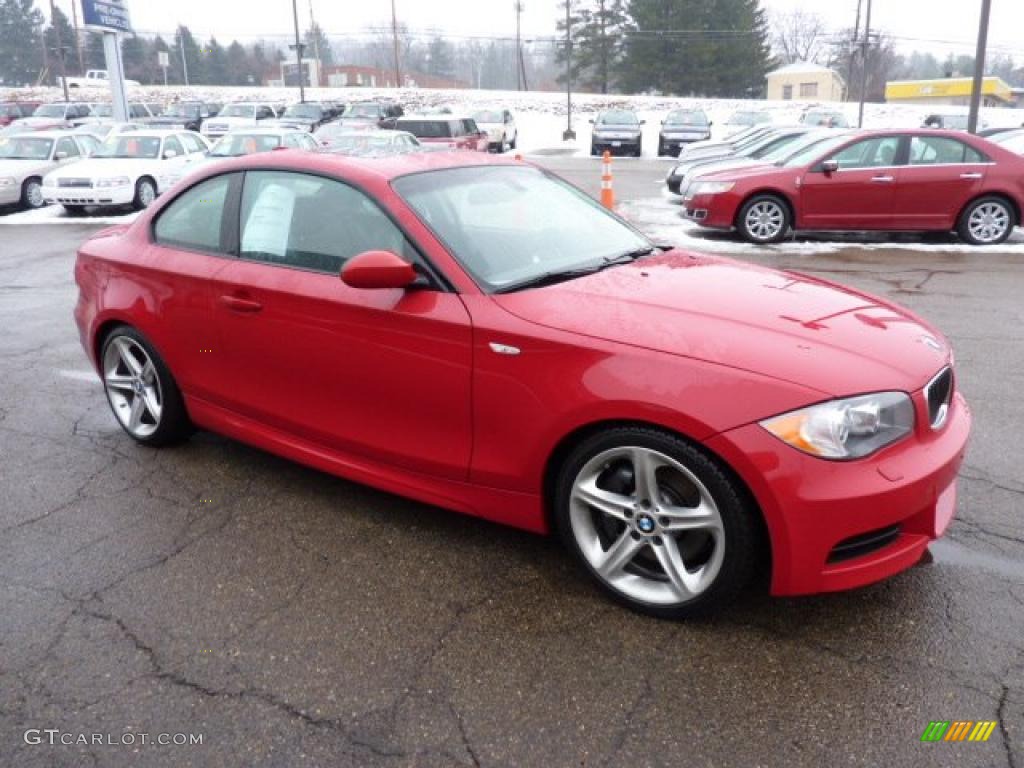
926, 21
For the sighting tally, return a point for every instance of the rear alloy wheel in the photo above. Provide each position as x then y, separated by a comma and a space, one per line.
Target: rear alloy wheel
145, 194
32, 194
141, 392
657, 523
988, 221
763, 219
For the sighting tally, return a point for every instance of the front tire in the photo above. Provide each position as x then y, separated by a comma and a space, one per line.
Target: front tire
764, 219
141, 391
32, 194
145, 194
658, 524
987, 221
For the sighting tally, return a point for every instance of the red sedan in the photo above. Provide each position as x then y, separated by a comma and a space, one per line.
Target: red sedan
882, 180
477, 334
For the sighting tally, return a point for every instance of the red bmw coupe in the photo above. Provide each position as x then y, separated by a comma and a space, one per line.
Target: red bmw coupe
913, 181
477, 334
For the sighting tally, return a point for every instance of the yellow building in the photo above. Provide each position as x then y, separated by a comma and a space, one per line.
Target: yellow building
804, 81
953, 91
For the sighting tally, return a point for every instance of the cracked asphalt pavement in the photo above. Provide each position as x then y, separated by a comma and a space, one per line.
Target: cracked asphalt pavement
293, 618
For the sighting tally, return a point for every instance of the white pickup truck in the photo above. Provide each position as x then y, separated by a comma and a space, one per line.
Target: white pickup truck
93, 78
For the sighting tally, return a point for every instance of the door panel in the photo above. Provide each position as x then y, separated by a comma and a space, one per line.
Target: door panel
385, 374
860, 195
942, 174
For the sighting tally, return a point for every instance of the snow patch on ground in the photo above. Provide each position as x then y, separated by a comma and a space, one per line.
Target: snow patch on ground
55, 214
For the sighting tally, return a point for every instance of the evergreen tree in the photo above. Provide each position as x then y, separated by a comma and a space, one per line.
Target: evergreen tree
598, 42
440, 58
317, 44
575, 21
60, 24
215, 61
237, 64
696, 47
22, 59
193, 56
139, 62
95, 58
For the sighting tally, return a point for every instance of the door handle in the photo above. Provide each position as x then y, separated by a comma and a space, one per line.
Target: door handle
970, 176
238, 304
882, 179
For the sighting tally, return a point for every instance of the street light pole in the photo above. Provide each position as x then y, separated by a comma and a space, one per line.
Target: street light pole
60, 50
979, 66
298, 50
184, 59
865, 47
394, 35
570, 134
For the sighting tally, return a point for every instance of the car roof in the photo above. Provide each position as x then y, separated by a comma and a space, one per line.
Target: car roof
39, 135
261, 130
382, 168
440, 118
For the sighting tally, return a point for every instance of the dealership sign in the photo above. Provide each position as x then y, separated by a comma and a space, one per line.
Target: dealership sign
108, 15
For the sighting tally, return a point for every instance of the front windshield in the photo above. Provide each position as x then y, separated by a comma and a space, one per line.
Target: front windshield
685, 117
130, 147
49, 110
813, 152
238, 110
488, 116
9, 110
512, 224
428, 129
25, 148
762, 149
304, 110
788, 149
238, 144
619, 117
363, 110
182, 110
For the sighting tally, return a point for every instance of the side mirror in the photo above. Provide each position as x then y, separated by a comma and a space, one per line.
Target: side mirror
170, 154
377, 269
643, 122
829, 166
591, 121
710, 123
62, 155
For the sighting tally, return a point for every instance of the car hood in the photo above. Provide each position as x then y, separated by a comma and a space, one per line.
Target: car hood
234, 122
757, 170
784, 325
165, 120
100, 167
699, 129
37, 122
624, 127
21, 169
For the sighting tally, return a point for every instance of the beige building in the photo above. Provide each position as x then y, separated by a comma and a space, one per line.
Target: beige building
804, 81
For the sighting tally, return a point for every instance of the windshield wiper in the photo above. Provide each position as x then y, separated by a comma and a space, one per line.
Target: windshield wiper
560, 276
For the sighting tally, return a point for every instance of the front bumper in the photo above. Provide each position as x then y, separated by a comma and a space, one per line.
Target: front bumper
89, 195
903, 496
611, 143
714, 211
673, 144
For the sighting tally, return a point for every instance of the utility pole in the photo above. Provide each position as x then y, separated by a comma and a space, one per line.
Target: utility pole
569, 134
78, 37
298, 51
864, 47
853, 47
184, 59
315, 34
520, 71
979, 66
394, 34
60, 49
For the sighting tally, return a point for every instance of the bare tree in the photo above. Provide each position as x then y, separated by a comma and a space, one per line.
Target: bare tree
799, 36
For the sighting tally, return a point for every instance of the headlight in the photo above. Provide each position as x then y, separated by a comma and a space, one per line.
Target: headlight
712, 187
846, 429
8, 181
117, 181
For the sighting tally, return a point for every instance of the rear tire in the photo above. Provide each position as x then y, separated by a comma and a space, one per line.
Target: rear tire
987, 221
141, 391
32, 194
658, 524
764, 219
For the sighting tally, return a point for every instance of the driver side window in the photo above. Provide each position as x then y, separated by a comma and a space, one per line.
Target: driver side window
877, 152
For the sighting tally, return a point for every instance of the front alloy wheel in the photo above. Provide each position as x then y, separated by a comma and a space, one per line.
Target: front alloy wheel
763, 219
32, 194
657, 523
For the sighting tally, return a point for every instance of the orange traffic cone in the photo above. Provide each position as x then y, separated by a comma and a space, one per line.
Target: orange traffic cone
607, 193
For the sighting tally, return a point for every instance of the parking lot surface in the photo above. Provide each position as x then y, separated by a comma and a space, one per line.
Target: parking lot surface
293, 618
